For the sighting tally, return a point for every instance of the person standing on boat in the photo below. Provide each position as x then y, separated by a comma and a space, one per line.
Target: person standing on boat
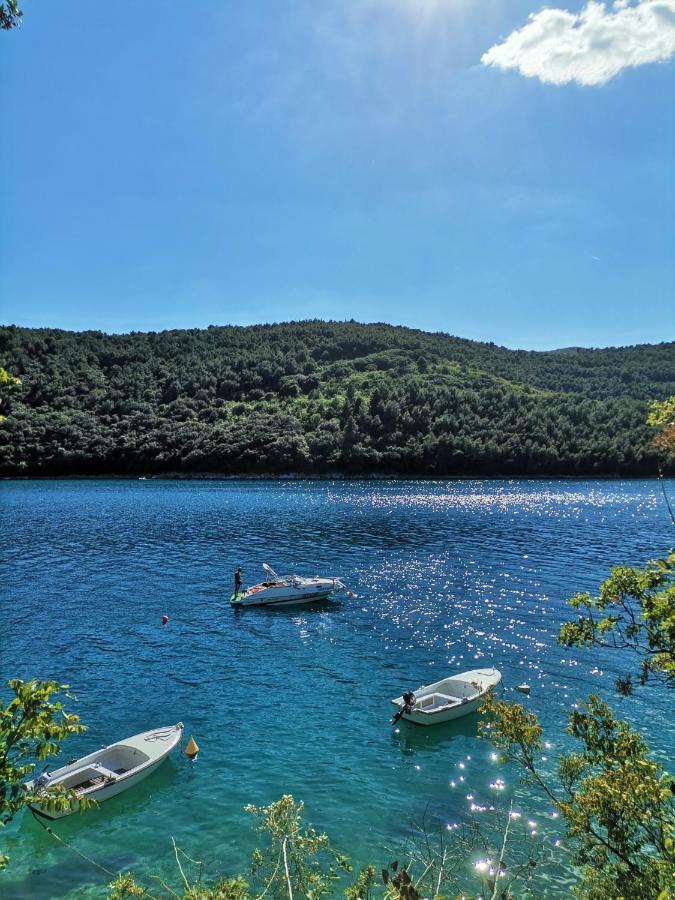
237, 582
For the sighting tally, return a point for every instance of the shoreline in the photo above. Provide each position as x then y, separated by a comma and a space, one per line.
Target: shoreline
333, 476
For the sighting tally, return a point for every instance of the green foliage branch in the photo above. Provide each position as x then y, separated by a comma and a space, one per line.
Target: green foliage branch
618, 804
295, 861
10, 15
437, 862
298, 861
7, 384
616, 801
32, 726
634, 610
662, 417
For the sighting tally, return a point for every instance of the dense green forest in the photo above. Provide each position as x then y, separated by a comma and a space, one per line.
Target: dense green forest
324, 397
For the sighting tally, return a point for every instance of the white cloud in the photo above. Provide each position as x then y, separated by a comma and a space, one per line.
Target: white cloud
558, 46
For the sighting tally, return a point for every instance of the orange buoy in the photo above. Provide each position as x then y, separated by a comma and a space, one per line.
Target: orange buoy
165, 619
192, 749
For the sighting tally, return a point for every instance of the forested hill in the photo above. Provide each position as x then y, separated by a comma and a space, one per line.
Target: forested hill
323, 397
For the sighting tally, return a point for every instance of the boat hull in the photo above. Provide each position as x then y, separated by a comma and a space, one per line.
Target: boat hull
108, 771
437, 718
284, 601
103, 793
285, 593
449, 699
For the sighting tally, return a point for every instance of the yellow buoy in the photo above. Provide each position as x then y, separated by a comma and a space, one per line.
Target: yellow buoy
192, 749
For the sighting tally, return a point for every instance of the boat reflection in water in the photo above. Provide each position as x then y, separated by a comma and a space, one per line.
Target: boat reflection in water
410, 738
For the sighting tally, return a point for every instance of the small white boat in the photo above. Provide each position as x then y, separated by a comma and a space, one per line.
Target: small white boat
448, 699
287, 590
108, 771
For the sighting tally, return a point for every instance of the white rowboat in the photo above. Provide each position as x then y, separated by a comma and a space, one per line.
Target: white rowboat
448, 699
108, 771
287, 590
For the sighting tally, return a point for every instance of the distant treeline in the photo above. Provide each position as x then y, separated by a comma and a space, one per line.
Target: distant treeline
321, 397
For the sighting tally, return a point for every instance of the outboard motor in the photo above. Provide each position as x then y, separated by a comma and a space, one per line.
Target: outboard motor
42, 782
408, 706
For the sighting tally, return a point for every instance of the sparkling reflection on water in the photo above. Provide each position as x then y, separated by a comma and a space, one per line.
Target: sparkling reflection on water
449, 575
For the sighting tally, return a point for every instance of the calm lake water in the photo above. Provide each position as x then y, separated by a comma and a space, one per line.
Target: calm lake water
450, 575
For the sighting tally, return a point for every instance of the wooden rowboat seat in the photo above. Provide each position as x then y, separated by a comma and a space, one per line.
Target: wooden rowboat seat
105, 775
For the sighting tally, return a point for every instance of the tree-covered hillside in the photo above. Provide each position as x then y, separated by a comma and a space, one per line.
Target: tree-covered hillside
321, 397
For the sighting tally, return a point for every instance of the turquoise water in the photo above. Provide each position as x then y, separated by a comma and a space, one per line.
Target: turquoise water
450, 576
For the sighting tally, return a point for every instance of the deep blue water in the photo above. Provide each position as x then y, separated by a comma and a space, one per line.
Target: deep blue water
450, 576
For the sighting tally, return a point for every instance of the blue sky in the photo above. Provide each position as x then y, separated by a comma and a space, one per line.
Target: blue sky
170, 165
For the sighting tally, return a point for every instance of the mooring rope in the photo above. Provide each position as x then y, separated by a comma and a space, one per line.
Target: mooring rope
163, 734
79, 852
71, 847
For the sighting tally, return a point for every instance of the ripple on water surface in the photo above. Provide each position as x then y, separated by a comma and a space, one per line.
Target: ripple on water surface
449, 575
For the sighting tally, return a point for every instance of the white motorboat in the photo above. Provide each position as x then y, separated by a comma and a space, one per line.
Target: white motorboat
448, 699
287, 590
108, 771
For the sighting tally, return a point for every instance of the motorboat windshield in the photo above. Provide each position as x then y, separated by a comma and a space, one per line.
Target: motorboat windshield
274, 579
